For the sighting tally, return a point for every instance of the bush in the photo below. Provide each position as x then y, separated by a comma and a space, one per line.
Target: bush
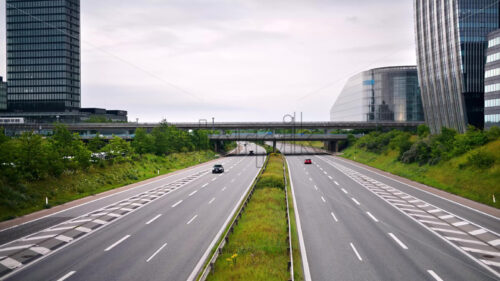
480, 160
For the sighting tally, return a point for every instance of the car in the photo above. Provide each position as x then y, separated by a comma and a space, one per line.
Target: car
218, 169
251, 152
307, 161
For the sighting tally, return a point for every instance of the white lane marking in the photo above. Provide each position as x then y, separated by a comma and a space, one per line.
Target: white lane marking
178, 202
126, 209
345, 191
401, 244
325, 173
223, 188
372, 216
210, 202
336, 183
435, 211
155, 253
204, 185
16, 248
460, 223
10, 263
412, 210
422, 216
116, 243
83, 229
478, 231
330, 177
334, 217
433, 222
356, 252
434, 275
193, 193
100, 221
38, 237
355, 201
66, 276
323, 198
216, 178
40, 250
305, 262
404, 205
153, 219
80, 221
491, 263
64, 238
310, 179
232, 180
448, 230
59, 228
474, 250
315, 187
445, 217
494, 242
396, 200
192, 219
464, 240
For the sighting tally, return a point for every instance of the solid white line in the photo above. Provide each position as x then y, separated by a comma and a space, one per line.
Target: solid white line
210, 202
193, 193
155, 253
116, 243
356, 252
464, 240
355, 201
191, 220
398, 241
371, 216
38, 237
323, 198
334, 217
153, 219
305, 262
178, 202
336, 183
434, 275
58, 228
66, 276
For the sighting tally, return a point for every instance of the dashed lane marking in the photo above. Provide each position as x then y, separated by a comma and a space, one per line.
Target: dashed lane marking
66, 276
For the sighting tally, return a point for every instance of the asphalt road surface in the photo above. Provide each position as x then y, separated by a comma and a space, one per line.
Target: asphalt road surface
359, 225
159, 231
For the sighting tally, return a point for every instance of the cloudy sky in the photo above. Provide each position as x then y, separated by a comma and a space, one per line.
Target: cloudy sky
235, 60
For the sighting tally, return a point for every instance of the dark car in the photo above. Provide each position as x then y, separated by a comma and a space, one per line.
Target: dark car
251, 152
218, 169
307, 161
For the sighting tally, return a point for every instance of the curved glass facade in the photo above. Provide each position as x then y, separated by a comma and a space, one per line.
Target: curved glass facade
381, 94
43, 55
451, 38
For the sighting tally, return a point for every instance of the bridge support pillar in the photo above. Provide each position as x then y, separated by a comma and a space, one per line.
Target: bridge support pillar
333, 146
274, 145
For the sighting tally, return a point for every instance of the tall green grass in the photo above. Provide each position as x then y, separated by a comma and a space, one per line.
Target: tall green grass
29, 197
456, 175
257, 249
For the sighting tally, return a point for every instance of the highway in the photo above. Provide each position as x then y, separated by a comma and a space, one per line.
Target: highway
158, 231
359, 225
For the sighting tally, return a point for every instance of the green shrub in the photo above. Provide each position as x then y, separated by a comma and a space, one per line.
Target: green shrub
480, 160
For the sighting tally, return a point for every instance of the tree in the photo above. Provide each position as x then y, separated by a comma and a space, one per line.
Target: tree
423, 131
143, 142
118, 148
32, 157
96, 143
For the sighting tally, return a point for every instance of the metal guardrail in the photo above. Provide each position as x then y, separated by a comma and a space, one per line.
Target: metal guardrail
202, 276
290, 250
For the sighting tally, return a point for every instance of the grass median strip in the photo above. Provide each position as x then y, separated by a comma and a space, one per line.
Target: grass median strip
258, 247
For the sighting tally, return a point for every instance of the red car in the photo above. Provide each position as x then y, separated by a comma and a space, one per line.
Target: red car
307, 161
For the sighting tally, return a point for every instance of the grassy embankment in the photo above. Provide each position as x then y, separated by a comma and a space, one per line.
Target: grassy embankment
257, 249
452, 175
30, 196
314, 144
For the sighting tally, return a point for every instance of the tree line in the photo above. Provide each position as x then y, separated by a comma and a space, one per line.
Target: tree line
424, 148
31, 156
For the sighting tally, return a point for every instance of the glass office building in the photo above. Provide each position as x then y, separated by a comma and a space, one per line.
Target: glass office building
451, 38
492, 81
43, 55
381, 94
3, 94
